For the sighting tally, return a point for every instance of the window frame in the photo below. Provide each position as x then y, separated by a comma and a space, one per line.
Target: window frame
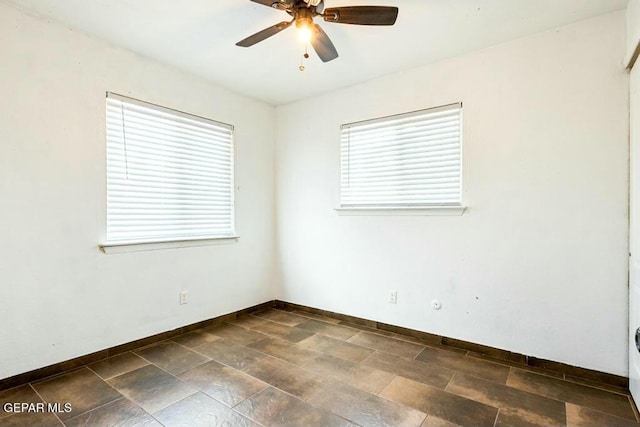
167, 242
453, 208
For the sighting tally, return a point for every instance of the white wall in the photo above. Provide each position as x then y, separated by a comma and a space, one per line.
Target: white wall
60, 297
538, 263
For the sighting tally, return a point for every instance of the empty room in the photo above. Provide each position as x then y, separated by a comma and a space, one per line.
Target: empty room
320, 213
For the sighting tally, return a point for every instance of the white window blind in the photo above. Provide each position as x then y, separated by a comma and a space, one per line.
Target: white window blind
169, 174
407, 160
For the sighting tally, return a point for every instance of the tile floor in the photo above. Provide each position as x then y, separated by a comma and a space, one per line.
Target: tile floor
279, 368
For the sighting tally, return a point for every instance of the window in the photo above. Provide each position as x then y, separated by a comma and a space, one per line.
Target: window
409, 160
169, 174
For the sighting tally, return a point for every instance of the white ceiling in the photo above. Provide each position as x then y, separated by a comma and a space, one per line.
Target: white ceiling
200, 35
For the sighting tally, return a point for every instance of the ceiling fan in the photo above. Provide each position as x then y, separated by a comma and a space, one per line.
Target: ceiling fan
303, 13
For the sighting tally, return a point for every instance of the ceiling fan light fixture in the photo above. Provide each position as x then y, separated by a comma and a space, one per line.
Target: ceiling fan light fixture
304, 30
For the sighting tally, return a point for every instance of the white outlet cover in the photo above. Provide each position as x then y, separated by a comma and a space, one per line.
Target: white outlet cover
437, 305
393, 297
184, 296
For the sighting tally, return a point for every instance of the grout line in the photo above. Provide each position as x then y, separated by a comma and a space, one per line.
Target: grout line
541, 372
121, 373
199, 390
98, 407
170, 404
92, 409
509, 376
51, 377
43, 400
36, 392
388, 385
243, 415
595, 385
368, 356
248, 397
154, 418
307, 316
306, 369
122, 395
570, 381
393, 377
608, 414
307, 400
193, 351
449, 383
226, 364
501, 385
200, 354
549, 397
161, 368
497, 415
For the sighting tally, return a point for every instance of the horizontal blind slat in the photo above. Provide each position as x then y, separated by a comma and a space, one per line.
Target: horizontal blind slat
197, 141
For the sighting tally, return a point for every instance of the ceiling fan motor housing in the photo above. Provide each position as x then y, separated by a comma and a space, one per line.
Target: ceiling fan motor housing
303, 17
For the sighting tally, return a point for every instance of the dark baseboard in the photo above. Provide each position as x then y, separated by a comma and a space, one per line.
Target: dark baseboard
572, 373
68, 365
515, 359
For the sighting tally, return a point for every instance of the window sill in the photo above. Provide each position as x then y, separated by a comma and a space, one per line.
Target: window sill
118, 248
422, 210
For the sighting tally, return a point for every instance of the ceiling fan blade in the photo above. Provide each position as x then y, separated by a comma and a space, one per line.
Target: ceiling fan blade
362, 15
322, 44
277, 4
264, 34
266, 2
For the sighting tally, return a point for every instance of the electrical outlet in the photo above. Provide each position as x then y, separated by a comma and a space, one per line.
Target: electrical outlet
393, 297
183, 297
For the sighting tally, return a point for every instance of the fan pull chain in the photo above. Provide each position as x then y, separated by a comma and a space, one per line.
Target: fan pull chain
305, 56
